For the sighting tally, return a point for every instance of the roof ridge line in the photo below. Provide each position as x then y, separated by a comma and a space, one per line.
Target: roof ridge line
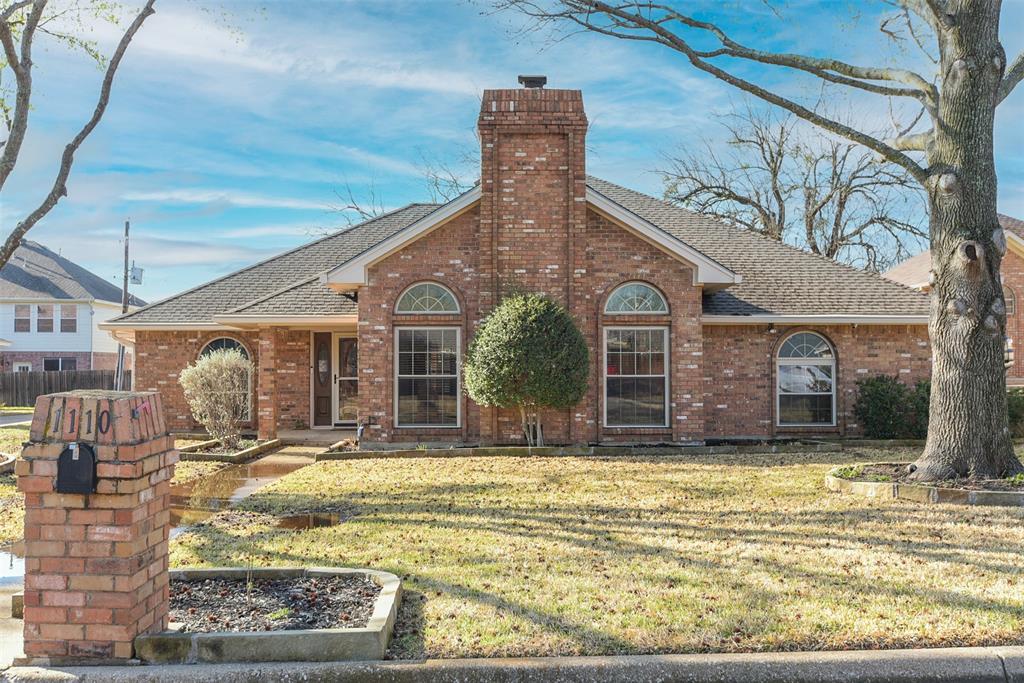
123, 318
795, 249
287, 288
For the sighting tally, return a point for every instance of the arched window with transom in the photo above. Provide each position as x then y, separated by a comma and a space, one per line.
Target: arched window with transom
1010, 299
427, 297
805, 381
228, 343
635, 298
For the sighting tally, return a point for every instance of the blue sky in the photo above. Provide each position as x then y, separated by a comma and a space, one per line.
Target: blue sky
233, 124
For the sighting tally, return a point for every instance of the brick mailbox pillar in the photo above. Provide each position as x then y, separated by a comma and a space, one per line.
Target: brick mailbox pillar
95, 558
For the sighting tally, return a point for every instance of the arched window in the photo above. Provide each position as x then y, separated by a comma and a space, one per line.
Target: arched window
427, 297
636, 297
1010, 299
221, 343
806, 384
224, 343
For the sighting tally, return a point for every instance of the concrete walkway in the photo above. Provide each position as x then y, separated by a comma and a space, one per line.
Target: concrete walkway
954, 665
10, 629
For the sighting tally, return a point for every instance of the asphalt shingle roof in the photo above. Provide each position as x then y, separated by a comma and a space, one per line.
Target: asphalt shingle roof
777, 279
295, 267
35, 272
914, 271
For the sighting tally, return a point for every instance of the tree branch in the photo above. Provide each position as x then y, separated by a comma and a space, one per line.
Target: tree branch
1013, 76
9, 12
636, 21
21, 65
59, 188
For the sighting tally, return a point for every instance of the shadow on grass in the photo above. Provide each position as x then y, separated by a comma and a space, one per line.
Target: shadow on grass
628, 535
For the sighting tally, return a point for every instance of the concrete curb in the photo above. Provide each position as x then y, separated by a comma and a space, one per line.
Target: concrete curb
952, 665
922, 493
304, 645
188, 453
575, 451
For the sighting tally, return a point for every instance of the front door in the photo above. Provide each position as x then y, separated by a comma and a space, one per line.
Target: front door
323, 384
347, 382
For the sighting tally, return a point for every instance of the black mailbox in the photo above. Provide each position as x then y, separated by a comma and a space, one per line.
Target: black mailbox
76, 469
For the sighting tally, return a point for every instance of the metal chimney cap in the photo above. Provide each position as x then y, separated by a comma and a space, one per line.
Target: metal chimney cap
533, 81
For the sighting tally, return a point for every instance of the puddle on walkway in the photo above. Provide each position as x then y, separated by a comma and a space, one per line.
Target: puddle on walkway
198, 500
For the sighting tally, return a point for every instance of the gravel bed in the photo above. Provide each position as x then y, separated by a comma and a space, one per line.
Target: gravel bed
273, 604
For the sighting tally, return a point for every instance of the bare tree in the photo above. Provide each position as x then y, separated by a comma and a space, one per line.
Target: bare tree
967, 434
21, 23
831, 197
444, 180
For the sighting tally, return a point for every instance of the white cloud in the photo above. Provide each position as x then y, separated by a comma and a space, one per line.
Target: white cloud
225, 197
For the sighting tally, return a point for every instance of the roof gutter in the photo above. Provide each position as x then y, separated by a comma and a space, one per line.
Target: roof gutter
250, 321
815, 319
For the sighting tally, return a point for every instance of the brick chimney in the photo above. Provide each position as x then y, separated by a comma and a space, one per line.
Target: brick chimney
533, 190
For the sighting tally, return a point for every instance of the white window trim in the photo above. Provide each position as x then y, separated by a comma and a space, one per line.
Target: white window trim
457, 311
458, 377
805, 361
54, 312
59, 317
22, 366
657, 291
31, 321
604, 373
248, 355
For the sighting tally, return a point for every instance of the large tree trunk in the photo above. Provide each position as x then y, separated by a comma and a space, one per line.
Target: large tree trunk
967, 431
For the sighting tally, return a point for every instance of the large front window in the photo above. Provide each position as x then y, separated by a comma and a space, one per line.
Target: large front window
427, 377
636, 377
806, 381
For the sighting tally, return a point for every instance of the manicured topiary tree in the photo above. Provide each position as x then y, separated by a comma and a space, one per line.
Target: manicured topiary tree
527, 354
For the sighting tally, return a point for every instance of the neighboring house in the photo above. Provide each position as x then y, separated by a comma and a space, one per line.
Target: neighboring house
916, 271
51, 309
696, 329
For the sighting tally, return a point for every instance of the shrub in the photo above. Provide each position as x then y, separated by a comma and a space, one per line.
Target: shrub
1015, 412
217, 390
920, 398
883, 407
527, 354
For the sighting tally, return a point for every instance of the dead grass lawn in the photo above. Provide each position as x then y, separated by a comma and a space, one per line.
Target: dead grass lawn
545, 556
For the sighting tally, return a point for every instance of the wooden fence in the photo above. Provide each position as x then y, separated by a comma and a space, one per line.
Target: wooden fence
22, 388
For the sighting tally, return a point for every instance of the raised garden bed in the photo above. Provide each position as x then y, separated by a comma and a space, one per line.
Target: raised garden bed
291, 615
213, 451
7, 463
889, 480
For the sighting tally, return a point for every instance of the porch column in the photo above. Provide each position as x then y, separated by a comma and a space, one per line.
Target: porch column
266, 386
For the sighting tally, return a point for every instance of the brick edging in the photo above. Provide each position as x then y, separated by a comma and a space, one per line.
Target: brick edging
964, 665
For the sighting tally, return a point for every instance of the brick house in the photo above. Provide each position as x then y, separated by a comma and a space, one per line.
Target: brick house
915, 273
52, 309
696, 329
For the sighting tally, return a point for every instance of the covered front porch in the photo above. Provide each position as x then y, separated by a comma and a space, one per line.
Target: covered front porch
307, 382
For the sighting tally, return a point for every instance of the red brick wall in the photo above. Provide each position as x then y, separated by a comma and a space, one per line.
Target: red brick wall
162, 356
532, 211
1013, 281
739, 371
449, 256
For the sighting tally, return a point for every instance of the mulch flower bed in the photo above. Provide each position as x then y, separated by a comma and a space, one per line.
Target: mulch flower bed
898, 473
273, 604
